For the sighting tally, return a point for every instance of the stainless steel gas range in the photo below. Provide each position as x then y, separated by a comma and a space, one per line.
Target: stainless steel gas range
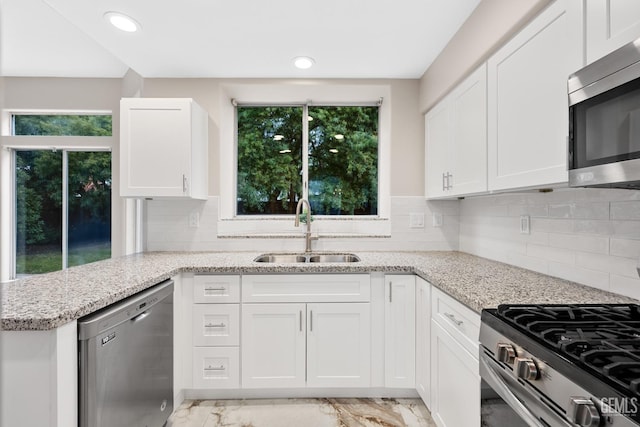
564, 365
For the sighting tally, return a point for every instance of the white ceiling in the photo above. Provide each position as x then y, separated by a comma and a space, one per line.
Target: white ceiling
227, 38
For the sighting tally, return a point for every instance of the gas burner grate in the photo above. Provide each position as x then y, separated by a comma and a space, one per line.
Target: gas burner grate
602, 339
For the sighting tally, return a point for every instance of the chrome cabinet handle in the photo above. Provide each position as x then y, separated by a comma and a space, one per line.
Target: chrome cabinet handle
215, 325
453, 319
311, 320
215, 289
444, 186
184, 183
300, 320
219, 368
390, 291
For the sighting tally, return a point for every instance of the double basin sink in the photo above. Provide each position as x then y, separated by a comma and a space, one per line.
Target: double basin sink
304, 258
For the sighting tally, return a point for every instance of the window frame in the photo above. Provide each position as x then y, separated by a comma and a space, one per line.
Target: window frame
313, 94
10, 144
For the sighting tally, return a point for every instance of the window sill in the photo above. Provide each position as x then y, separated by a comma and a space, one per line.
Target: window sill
283, 228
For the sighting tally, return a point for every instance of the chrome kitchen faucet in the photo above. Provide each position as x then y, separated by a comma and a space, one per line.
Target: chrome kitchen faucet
308, 236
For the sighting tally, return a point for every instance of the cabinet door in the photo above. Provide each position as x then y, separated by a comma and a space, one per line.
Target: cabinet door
527, 100
437, 136
423, 340
468, 149
273, 345
155, 153
338, 345
400, 331
610, 25
455, 382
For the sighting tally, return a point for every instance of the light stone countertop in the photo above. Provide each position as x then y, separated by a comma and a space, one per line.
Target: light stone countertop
50, 300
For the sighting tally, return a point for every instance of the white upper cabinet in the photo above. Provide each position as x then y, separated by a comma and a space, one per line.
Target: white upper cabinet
456, 140
163, 148
527, 99
610, 25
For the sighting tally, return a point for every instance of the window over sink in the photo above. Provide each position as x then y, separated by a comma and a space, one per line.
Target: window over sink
325, 154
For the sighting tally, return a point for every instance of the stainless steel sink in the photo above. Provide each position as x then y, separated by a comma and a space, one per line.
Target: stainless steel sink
334, 258
281, 258
304, 258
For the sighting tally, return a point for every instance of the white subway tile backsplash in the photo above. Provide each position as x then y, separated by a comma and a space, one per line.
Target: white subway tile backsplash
167, 229
577, 242
626, 248
625, 285
592, 235
593, 278
582, 210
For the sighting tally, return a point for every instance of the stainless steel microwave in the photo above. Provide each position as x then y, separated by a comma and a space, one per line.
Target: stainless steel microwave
604, 121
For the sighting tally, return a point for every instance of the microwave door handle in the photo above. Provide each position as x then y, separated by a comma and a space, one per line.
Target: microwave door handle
502, 388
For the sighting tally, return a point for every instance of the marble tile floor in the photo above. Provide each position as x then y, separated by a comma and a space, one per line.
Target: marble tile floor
302, 413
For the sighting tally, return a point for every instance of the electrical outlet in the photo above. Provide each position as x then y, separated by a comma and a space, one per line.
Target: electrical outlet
416, 220
525, 224
194, 219
437, 219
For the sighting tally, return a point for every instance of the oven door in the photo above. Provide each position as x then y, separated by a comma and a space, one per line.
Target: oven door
501, 388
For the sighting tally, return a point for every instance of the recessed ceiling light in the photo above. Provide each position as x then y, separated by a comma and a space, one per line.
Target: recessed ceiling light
122, 22
303, 62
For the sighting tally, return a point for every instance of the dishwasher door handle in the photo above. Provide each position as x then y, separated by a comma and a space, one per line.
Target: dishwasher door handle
141, 316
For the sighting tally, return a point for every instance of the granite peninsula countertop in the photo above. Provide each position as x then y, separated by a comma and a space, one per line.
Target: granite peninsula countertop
50, 300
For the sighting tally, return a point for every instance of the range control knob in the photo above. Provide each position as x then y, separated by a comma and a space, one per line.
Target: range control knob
505, 353
583, 412
526, 369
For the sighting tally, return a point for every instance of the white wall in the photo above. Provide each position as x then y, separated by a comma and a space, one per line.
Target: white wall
590, 236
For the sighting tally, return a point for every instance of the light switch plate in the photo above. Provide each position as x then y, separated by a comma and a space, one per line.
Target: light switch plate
437, 219
416, 220
525, 224
194, 220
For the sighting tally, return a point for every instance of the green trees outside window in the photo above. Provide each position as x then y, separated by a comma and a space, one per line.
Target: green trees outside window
39, 196
340, 149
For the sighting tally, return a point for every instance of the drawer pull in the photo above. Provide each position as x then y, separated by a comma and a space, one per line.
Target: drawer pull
215, 325
390, 291
212, 368
300, 320
453, 319
215, 289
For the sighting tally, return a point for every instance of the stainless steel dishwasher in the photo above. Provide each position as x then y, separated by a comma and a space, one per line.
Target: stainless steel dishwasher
126, 361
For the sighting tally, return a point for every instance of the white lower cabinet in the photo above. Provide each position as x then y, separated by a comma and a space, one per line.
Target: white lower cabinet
338, 345
423, 340
215, 320
292, 345
273, 345
455, 376
400, 331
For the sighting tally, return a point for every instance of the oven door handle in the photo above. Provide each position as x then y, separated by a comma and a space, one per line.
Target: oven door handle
502, 388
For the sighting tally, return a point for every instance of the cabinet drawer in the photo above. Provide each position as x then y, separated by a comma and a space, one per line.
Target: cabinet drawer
462, 323
216, 324
216, 367
209, 288
306, 288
